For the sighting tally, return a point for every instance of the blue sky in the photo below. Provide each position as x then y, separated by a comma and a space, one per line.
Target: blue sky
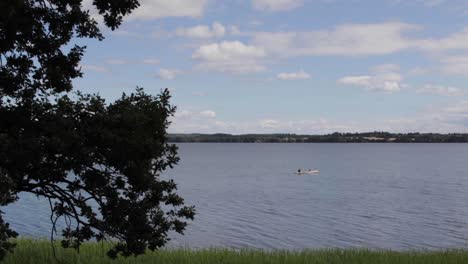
292, 66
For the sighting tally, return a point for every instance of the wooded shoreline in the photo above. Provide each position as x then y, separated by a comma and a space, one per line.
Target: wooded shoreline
368, 137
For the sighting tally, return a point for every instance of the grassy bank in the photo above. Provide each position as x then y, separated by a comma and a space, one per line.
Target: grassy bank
37, 252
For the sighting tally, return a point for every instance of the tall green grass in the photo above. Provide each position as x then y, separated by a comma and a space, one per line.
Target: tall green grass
36, 252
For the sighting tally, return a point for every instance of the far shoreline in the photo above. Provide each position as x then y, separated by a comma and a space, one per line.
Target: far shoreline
367, 137
294, 143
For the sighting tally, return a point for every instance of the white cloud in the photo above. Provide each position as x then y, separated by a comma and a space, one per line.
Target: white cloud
269, 123
150, 61
167, 74
428, 3
440, 90
154, 9
191, 122
311, 126
207, 113
187, 121
300, 75
94, 68
124, 33
230, 56
216, 30
317, 126
458, 110
431, 2
455, 41
452, 118
455, 65
116, 61
234, 30
446, 119
363, 80
124, 62
199, 93
256, 23
385, 68
418, 71
343, 40
228, 50
186, 114
384, 78
277, 5
357, 40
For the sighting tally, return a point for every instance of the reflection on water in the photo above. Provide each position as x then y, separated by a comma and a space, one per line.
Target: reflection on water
397, 196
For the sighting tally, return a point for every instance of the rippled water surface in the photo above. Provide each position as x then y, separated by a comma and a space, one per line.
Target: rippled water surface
394, 196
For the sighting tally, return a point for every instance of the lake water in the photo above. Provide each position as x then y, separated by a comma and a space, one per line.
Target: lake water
392, 196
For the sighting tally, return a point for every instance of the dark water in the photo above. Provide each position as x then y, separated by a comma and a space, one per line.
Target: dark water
393, 196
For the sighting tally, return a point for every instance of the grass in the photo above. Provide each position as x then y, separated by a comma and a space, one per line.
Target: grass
39, 251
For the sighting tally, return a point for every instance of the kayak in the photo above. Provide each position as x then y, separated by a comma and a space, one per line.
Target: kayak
307, 172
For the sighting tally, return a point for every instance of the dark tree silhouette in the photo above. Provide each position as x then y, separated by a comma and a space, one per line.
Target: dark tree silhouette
99, 165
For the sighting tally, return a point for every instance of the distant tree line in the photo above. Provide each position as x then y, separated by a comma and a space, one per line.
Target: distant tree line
368, 137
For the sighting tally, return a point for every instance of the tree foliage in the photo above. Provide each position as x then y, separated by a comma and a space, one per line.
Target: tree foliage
98, 164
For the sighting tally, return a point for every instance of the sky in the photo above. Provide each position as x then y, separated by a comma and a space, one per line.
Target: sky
292, 66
